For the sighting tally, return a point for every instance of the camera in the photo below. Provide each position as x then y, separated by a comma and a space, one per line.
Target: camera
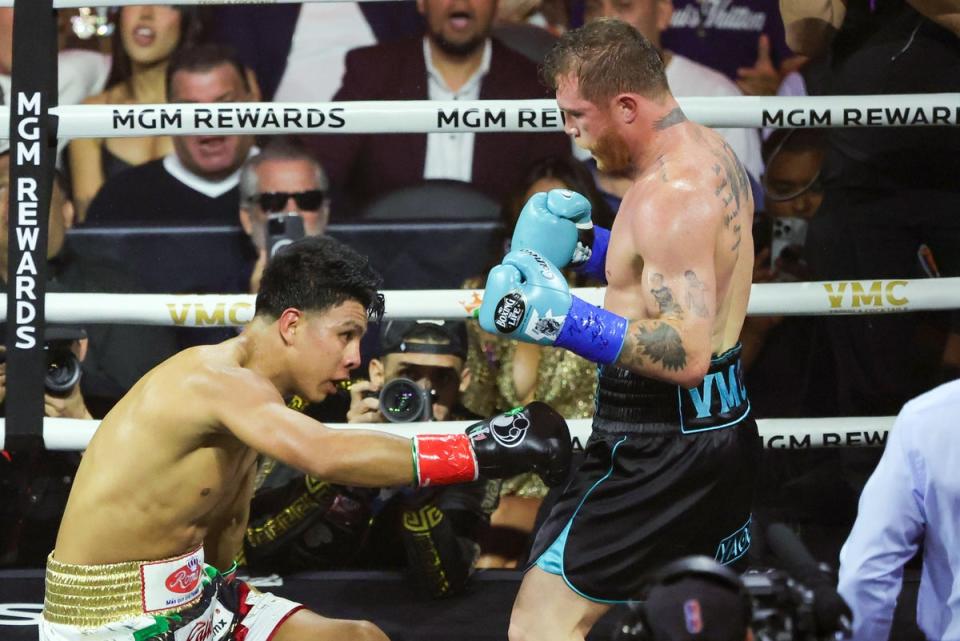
783, 609
780, 609
63, 367
283, 229
403, 401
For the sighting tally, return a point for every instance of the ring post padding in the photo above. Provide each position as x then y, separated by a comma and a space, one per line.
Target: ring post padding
32, 155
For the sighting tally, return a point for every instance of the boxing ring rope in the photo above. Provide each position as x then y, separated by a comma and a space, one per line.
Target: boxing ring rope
430, 116
766, 299
67, 434
844, 297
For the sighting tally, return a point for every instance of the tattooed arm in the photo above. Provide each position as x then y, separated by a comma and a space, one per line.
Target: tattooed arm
679, 285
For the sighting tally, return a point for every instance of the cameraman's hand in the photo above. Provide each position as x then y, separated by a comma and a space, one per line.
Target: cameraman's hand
70, 406
364, 409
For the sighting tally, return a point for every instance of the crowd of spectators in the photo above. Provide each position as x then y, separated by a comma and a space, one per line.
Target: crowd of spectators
837, 204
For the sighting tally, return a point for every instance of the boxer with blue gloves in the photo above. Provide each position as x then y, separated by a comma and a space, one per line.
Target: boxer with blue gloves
671, 462
557, 224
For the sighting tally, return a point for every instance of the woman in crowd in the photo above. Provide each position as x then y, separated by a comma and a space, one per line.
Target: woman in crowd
145, 38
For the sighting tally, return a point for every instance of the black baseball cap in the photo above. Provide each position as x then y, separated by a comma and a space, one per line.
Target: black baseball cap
423, 337
696, 608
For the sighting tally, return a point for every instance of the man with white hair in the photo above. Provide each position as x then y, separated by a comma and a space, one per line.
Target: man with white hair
283, 196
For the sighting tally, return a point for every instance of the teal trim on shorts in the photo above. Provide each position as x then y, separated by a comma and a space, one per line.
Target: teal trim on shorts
551, 561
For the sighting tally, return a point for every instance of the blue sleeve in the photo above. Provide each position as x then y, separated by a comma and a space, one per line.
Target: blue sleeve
890, 523
592, 332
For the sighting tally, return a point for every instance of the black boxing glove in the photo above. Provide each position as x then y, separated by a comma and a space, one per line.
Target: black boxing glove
532, 438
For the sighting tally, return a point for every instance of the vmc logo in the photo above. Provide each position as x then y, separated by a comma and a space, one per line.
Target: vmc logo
866, 296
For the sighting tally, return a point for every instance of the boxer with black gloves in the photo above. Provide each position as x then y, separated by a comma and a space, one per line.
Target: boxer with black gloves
160, 503
529, 439
670, 465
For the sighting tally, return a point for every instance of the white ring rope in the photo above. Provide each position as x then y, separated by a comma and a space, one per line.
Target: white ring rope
766, 299
66, 434
423, 116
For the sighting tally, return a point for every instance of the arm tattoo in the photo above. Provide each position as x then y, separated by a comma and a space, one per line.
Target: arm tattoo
695, 294
665, 297
662, 345
675, 117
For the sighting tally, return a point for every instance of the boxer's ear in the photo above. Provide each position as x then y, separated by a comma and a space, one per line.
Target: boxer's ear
290, 320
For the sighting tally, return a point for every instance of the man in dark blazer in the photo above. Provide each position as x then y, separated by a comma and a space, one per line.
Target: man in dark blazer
456, 60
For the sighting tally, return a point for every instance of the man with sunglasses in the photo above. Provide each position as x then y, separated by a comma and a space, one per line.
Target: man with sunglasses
283, 197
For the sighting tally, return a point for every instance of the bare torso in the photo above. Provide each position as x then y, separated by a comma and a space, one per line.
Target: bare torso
162, 476
696, 184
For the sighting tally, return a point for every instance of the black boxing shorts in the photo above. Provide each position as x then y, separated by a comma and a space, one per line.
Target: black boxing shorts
668, 472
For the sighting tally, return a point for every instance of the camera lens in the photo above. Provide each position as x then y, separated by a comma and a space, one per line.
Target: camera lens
403, 401
63, 369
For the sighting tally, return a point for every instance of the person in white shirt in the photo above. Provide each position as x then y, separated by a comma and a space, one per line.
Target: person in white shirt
685, 77
911, 499
456, 59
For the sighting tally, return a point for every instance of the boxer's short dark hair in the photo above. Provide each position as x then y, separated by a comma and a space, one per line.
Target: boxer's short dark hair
315, 274
607, 57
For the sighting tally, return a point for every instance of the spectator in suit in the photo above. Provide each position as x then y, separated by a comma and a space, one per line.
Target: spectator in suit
297, 51
196, 184
283, 180
456, 60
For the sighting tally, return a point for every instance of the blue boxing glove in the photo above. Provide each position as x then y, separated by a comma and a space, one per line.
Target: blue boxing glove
557, 225
528, 299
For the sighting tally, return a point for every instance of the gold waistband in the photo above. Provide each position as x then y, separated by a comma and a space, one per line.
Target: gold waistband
94, 595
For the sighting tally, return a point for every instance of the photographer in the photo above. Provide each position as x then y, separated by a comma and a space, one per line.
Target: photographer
283, 196
117, 354
34, 485
298, 522
65, 348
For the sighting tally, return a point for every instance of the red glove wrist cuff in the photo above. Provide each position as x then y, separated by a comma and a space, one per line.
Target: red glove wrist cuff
443, 459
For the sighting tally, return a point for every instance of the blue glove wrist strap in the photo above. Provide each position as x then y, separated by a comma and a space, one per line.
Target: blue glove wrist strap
596, 267
592, 332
